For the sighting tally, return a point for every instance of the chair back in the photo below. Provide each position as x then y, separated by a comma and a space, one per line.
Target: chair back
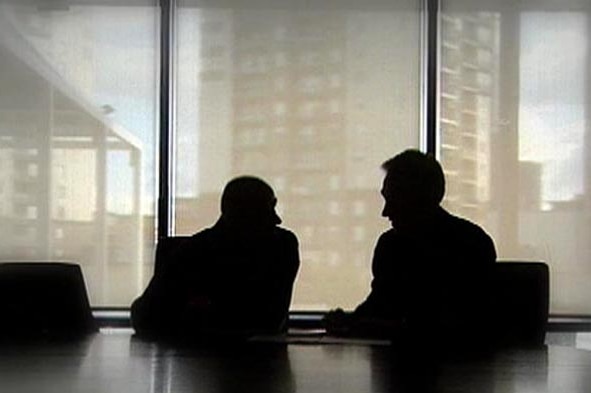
44, 299
165, 250
521, 301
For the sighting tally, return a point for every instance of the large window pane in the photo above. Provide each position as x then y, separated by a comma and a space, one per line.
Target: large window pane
515, 136
77, 120
312, 98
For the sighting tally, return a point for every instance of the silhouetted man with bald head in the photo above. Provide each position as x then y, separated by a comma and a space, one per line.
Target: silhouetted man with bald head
234, 279
431, 270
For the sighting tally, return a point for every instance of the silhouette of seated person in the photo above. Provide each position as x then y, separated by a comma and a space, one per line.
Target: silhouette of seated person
431, 270
233, 279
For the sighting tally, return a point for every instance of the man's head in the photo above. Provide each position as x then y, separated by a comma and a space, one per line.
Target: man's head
248, 202
413, 188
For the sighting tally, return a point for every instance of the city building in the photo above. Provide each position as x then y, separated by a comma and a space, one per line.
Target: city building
468, 94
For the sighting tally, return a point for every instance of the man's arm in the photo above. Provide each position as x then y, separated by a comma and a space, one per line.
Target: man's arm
379, 303
274, 312
375, 316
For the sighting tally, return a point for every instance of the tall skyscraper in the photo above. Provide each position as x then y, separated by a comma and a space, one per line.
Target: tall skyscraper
469, 85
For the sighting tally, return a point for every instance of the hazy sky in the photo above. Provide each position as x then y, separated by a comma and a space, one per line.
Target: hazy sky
552, 112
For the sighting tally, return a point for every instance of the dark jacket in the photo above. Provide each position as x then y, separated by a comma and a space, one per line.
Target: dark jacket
221, 282
435, 278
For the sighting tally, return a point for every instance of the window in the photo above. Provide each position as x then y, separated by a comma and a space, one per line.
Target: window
334, 107
334, 208
31, 212
312, 155
280, 59
33, 170
359, 208
311, 99
334, 182
335, 81
517, 158
359, 234
82, 86
280, 84
279, 109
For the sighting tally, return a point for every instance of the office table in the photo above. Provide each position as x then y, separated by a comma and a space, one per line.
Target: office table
113, 361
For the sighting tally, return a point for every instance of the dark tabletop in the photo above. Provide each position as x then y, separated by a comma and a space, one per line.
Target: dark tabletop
116, 362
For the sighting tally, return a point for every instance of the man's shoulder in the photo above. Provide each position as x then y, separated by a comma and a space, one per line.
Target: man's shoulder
387, 238
470, 233
390, 233
285, 235
463, 226
204, 235
215, 234
203, 240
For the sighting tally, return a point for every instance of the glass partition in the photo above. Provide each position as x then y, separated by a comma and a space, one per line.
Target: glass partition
78, 113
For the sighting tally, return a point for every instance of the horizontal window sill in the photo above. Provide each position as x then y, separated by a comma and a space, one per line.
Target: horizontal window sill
120, 317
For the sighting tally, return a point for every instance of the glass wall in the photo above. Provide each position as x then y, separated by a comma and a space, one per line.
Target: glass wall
78, 92
312, 97
515, 133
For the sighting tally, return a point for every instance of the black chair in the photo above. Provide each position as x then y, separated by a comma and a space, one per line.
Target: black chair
165, 250
142, 315
521, 300
44, 300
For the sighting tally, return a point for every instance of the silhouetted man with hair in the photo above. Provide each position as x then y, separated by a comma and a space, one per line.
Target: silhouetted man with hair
431, 270
234, 279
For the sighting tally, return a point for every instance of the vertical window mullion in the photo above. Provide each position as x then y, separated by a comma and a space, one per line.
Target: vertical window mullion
166, 179
430, 61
